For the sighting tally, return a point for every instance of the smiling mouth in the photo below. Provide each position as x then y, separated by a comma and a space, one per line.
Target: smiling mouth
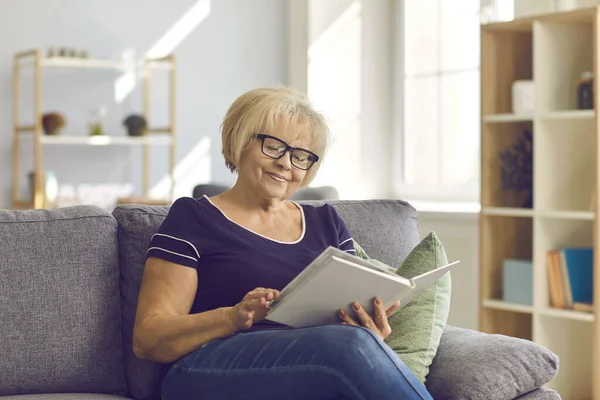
277, 178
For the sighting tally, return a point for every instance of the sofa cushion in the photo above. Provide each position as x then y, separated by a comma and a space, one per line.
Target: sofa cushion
137, 224
60, 315
386, 229
368, 221
475, 365
540, 394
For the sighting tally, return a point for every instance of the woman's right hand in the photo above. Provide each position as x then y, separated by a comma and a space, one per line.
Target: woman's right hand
253, 308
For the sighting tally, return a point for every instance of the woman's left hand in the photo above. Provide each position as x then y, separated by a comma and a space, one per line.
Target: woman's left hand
378, 323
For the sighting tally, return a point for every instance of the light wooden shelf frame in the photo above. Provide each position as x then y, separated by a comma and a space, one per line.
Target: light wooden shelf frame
551, 50
163, 136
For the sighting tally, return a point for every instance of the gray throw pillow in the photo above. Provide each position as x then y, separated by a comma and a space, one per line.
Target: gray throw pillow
474, 365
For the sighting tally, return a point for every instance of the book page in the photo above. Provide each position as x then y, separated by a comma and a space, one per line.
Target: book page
423, 281
332, 286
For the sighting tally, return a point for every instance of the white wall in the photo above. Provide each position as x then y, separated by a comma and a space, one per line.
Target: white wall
240, 45
459, 234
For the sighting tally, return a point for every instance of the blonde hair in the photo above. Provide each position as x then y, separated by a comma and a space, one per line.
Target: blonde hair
262, 109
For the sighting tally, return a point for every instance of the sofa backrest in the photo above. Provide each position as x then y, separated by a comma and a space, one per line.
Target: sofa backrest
386, 229
60, 315
137, 224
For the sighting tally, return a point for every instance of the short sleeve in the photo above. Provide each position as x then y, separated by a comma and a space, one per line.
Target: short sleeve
344, 237
176, 238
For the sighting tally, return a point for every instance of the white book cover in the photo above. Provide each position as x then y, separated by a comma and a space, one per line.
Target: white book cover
335, 280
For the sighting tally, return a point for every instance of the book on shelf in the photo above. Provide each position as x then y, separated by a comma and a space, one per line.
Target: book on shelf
570, 278
336, 279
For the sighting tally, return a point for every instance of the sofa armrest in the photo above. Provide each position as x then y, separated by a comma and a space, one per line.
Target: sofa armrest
475, 365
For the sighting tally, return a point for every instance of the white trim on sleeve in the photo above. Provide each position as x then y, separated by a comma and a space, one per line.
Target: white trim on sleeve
345, 241
172, 252
181, 240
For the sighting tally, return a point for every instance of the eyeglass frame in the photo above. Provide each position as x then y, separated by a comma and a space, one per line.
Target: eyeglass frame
262, 137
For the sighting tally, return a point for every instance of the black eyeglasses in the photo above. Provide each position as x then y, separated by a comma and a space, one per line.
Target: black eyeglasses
276, 148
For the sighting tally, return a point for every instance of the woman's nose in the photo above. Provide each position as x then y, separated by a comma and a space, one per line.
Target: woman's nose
285, 161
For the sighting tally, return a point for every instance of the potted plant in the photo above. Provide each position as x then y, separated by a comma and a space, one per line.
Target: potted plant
52, 123
516, 172
136, 125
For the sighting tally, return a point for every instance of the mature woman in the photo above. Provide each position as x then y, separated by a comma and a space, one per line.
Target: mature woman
215, 263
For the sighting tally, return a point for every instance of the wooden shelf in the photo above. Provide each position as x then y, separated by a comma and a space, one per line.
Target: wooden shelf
499, 118
569, 114
106, 140
567, 314
575, 215
68, 62
565, 183
566, 114
502, 305
508, 211
38, 142
101, 64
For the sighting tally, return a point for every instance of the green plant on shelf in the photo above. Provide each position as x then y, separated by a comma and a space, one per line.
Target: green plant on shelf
516, 170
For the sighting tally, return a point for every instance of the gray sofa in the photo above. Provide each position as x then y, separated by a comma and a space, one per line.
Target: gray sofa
68, 292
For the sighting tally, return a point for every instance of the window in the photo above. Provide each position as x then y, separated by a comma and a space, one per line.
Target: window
437, 100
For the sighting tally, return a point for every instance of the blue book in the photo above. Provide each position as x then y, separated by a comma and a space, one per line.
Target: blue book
577, 267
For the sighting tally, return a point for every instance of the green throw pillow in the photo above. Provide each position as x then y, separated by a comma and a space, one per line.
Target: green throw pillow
417, 328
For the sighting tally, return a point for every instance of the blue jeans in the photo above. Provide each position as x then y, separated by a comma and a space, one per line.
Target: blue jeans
315, 363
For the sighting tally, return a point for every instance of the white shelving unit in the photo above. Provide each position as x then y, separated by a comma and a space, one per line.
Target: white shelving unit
552, 50
161, 136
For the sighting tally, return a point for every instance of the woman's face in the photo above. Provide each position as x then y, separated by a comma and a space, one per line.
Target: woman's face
273, 178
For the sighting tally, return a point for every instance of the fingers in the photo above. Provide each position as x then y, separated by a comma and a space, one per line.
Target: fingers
380, 317
378, 322
347, 319
393, 308
254, 304
363, 317
268, 294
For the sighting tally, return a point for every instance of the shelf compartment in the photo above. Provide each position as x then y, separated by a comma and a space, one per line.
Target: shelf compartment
495, 139
506, 306
562, 52
506, 56
503, 237
564, 157
506, 322
551, 234
572, 343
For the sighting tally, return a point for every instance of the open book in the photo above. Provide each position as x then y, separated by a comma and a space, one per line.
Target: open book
336, 279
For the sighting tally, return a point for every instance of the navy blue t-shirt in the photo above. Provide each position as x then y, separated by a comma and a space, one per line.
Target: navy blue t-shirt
231, 260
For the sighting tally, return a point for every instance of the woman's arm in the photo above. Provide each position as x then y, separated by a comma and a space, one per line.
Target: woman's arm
164, 331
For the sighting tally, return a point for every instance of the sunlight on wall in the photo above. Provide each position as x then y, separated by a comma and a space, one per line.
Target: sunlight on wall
334, 79
167, 43
180, 30
189, 172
